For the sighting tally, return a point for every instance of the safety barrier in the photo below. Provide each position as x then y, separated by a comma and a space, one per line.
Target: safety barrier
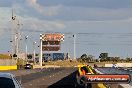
8, 67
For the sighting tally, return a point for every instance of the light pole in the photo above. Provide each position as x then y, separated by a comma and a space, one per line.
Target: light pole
15, 34
74, 36
68, 44
34, 53
13, 41
26, 37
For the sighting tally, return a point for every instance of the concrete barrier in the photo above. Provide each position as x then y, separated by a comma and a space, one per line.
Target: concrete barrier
124, 64
8, 67
108, 65
119, 65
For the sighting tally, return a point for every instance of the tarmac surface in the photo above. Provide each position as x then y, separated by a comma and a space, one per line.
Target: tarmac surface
46, 77
50, 77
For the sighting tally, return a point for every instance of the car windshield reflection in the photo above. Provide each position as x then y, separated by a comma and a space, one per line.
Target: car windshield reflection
6, 83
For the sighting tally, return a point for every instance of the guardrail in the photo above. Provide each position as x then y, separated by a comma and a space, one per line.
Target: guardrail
8, 67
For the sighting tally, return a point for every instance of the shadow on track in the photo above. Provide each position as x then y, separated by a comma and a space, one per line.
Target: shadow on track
66, 82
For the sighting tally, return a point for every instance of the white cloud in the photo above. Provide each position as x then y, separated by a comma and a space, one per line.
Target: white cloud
63, 12
32, 23
5, 18
51, 10
111, 26
94, 14
34, 4
46, 11
36, 24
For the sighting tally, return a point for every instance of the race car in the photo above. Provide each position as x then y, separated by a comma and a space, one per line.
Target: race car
81, 72
82, 80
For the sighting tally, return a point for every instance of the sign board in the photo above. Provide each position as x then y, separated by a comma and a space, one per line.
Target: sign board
50, 48
53, 37
108, 78
50, 42
58, 56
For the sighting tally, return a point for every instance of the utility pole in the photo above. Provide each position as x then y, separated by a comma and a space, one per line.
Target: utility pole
40, 56
34, 53
15, 34
26, 37
74, 36
69, 47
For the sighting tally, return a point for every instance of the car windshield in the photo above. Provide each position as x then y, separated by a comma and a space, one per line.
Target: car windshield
6, 83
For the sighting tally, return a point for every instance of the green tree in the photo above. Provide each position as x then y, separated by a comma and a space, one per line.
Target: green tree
90, 58
84, 56
128, 59
96, 60
103, 57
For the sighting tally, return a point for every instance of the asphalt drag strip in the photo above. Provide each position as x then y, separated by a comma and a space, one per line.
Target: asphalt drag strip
46, 79
41, 73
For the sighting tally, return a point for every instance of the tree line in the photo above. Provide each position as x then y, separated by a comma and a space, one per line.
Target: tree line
103, 57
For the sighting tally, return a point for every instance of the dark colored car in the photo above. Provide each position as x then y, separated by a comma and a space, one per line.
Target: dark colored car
28, 66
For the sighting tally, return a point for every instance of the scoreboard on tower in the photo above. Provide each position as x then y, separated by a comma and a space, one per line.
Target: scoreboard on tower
53, 37
51, 42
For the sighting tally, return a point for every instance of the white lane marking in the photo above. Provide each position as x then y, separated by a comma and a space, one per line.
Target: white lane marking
125, 85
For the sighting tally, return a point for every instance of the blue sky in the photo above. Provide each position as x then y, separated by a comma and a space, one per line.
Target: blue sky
107, 24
